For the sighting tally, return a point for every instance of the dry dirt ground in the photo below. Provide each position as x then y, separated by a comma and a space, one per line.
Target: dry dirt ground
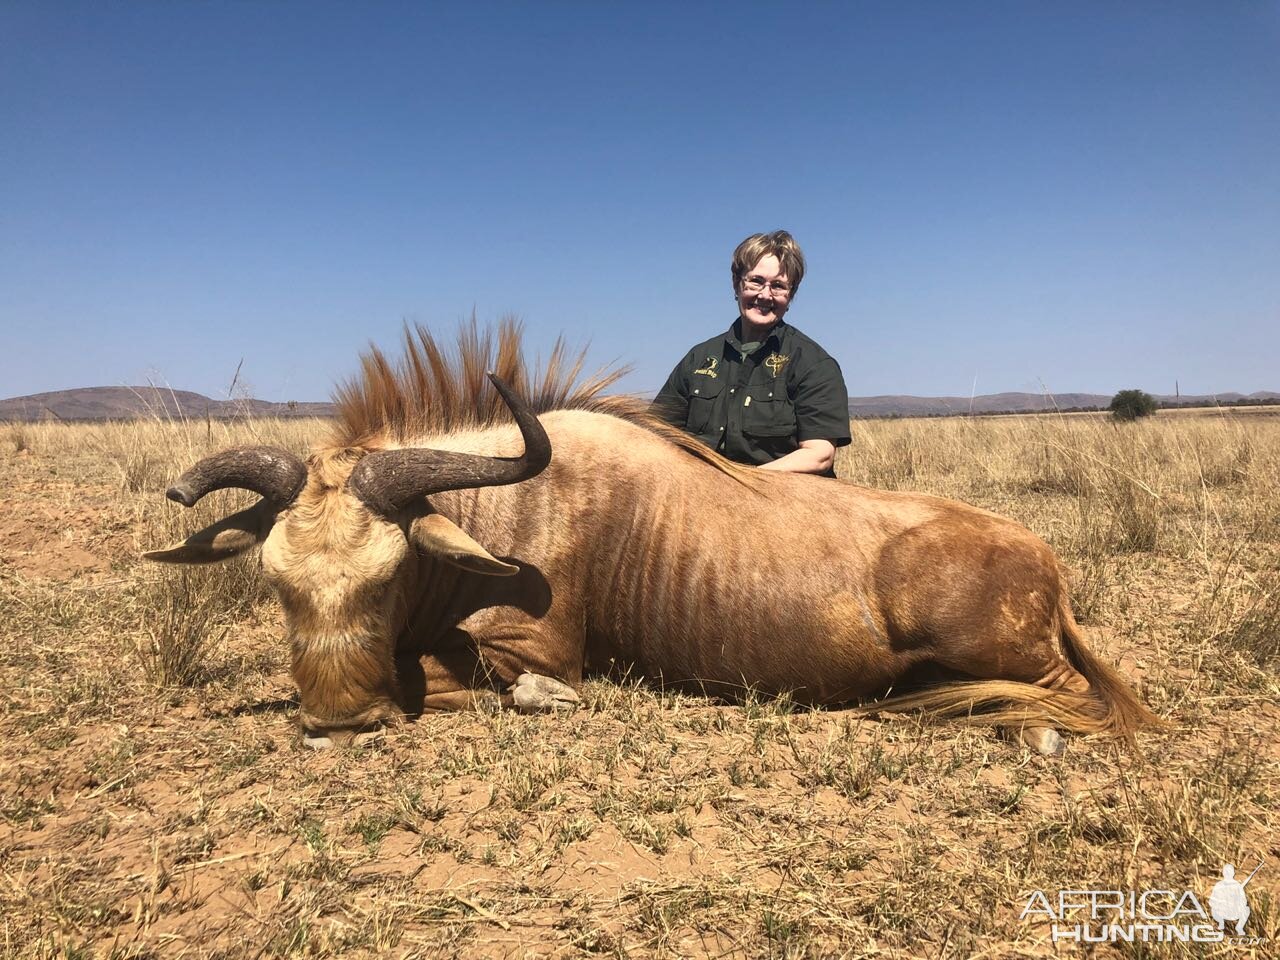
152, 805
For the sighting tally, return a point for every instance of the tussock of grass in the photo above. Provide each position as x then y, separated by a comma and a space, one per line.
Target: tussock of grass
1241, 614
17, 435
1257, 632
188, 624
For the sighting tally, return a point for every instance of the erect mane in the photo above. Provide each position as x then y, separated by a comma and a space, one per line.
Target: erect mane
431, 391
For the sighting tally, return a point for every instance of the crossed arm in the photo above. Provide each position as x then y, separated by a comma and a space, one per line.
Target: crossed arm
813, 456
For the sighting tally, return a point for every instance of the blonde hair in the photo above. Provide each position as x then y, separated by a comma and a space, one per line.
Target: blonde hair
778, 244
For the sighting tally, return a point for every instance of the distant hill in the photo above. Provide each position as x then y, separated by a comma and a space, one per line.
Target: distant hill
905, 406
130, 403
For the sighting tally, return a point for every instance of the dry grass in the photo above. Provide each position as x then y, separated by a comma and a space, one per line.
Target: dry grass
156, 801
17, 436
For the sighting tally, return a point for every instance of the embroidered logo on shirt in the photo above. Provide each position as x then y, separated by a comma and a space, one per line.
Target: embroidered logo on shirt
710, 369
776, 362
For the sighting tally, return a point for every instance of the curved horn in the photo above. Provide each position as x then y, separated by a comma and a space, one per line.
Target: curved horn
391, 479
276, 474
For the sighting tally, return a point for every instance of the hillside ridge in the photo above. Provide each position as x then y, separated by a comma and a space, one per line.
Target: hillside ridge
133, 403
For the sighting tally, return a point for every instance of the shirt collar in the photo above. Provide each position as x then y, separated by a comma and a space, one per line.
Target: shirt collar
734, 336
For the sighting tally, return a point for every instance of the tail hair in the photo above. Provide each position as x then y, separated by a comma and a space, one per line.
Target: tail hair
1123, 712
1110, 707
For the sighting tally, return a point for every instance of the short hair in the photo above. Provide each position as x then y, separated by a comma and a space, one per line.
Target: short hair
779, 244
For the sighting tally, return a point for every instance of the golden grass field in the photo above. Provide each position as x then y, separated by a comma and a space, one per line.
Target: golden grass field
155, 800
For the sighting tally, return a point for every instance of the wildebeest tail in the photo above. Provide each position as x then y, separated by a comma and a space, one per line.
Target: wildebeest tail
1005, 703
1118, 705
1109, 707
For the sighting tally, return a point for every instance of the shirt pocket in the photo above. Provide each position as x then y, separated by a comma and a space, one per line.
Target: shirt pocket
704, 401
768, 411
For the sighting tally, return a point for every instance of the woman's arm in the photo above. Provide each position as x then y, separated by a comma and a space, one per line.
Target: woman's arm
813, 456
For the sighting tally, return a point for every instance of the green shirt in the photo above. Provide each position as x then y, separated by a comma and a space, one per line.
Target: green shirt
758, 407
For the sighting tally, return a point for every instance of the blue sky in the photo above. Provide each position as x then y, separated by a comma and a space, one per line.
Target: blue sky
1074, 196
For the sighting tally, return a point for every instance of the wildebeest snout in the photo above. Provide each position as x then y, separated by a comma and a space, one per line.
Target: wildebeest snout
319, 738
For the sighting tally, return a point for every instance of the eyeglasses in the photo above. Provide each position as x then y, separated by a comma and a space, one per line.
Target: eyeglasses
778, 288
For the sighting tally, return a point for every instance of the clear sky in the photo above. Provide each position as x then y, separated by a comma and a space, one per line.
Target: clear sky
1083, 196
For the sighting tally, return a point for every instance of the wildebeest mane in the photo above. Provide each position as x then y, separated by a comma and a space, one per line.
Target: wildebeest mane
431, 391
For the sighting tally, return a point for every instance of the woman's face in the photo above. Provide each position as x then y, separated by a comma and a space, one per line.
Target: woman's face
764, 293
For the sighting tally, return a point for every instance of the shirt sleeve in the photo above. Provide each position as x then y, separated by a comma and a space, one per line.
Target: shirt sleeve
822, 404
672, 402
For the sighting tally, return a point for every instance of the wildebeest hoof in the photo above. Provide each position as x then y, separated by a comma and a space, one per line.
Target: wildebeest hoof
1044, 740
534, 692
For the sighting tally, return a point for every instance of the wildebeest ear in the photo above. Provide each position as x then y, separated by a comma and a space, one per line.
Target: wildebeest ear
441, 537
222, 540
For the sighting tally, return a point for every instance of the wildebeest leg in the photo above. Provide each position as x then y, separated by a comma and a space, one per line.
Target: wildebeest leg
506, 661
531, 693
1024, 654
451, 701
992, 610
456, 679
1040, 666
535, 660
1045, 740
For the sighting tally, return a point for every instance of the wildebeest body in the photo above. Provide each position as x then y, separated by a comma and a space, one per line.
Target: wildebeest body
633, 558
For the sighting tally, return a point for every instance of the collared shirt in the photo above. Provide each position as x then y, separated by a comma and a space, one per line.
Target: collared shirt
757, 408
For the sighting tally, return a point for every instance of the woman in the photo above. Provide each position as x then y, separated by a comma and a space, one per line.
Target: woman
763, 393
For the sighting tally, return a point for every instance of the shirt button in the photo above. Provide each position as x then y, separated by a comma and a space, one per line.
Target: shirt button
771, 393
722, 429
695, 391
733, 389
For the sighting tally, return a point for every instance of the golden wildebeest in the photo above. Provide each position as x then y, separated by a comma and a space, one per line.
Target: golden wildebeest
430, 554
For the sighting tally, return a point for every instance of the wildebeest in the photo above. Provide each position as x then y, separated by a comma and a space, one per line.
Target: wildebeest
430, 554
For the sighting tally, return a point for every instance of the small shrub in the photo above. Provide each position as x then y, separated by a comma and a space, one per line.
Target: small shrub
1132, 404
787, 935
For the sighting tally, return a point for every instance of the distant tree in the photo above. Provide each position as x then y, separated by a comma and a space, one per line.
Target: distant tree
1132, 404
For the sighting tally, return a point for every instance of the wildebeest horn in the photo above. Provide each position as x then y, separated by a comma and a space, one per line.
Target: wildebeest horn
276, 474
391, 479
